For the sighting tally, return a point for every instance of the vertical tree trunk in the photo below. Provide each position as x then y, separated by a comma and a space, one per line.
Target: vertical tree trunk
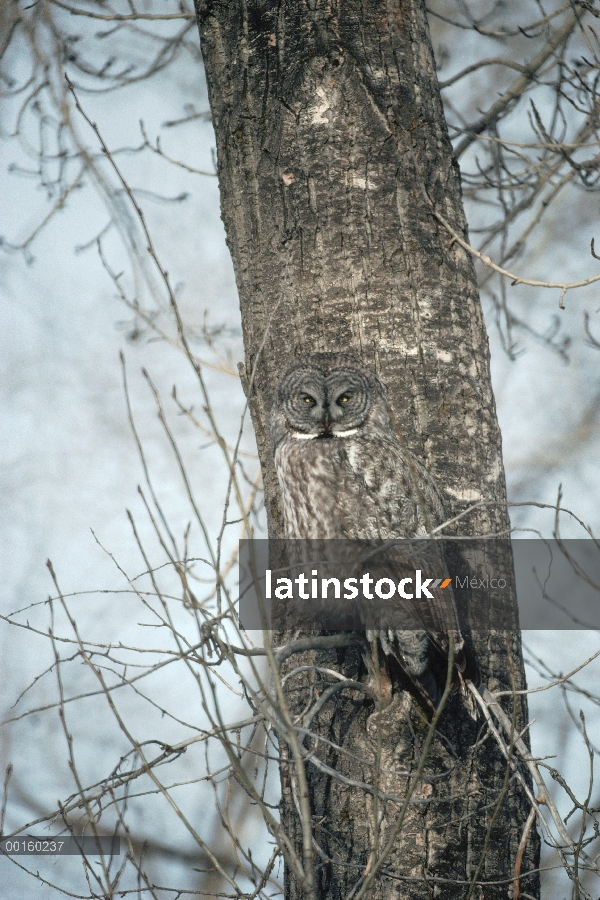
332, 144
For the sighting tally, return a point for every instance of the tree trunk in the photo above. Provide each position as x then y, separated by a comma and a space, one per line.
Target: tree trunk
332, 146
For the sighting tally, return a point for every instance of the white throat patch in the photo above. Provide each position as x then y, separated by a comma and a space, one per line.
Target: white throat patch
300, 436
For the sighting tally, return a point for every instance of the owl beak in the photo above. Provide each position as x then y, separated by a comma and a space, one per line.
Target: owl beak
326, 423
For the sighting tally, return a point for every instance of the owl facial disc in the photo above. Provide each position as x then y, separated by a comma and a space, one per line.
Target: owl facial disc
323, 405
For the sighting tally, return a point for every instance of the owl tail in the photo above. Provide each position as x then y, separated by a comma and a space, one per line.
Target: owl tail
423, 660
406, 652
431, 692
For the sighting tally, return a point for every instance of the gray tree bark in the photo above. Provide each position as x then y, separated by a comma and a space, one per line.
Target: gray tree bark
332, 146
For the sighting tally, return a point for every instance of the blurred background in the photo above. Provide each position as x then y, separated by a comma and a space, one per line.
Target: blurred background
78, 288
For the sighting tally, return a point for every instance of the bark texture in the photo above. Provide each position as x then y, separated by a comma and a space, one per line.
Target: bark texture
332, 144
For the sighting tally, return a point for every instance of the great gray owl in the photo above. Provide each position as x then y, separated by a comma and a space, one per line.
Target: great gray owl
343, 473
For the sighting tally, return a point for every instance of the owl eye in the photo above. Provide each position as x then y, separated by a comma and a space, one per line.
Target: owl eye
343, 398
308, 399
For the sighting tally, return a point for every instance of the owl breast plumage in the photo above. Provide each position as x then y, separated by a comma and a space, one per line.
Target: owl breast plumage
361, 487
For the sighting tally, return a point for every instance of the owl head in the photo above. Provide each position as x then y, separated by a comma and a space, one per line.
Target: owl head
325, 396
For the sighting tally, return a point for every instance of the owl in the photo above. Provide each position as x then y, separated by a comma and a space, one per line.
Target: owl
343, 473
